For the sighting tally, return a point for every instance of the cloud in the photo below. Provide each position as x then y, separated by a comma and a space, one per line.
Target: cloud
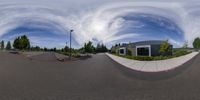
47, 42
102, 21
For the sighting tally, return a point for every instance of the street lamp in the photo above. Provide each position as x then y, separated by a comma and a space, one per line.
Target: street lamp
70, 52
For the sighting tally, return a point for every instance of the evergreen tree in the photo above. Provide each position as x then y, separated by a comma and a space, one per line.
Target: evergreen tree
45, 49
101, 48
36, 48
8, 46
98, 48
88, 47
54, 49
2, 45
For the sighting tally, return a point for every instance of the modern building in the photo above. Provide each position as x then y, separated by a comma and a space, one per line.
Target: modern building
142, 48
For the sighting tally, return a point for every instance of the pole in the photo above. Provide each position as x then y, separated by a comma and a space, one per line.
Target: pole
70, 52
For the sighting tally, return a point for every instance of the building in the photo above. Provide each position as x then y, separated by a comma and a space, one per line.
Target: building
142, 48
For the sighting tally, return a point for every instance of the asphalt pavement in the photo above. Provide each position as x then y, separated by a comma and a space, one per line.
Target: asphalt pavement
96, 78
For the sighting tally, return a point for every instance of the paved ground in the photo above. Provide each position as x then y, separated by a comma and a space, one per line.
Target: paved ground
97, 78
44, 56
153, 66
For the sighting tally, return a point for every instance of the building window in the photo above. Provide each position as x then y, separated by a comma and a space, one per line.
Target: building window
143, 51
122, 51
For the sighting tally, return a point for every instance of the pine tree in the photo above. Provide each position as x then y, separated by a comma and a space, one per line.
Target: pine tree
101, 48
88, 47
2, 45
8, 46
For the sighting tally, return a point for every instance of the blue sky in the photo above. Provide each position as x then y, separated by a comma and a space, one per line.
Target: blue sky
40, 37
47, 24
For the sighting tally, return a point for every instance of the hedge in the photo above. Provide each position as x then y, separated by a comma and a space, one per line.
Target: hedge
147, 58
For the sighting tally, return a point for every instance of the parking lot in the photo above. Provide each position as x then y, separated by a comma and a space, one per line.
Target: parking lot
96, 78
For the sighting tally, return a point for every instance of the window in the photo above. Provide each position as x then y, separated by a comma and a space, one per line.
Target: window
121, 51
143, 51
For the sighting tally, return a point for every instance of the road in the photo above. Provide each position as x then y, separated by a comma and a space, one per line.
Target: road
97, 78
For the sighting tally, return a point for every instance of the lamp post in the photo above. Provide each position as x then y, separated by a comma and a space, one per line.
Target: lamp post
70, 51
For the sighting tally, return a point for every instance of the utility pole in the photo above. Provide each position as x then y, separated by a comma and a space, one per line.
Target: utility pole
70, 51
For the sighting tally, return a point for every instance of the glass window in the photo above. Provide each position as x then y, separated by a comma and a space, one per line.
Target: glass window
121, 51
143, 51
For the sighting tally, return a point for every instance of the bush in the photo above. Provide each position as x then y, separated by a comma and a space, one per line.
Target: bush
129, 52
143, 58
177, 53
76, 55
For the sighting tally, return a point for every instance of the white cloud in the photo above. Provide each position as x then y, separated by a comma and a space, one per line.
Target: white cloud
46, 42
102, 21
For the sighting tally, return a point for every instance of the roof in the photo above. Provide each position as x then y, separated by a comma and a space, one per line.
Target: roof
150, 42
127, 45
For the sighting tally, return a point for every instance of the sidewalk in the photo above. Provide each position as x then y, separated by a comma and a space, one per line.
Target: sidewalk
153, 66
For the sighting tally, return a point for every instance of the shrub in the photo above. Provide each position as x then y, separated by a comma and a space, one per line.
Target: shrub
143, 58
177, 53
129, 52
180, 53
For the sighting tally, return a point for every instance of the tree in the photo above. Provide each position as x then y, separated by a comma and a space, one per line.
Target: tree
21, 43
8, 46
45, 49
101, 48
98, 48
88, 47
36, 48
185, 45
25, 44
54, 49
16, 43
2, 45
196, 43
165, 48
66, 49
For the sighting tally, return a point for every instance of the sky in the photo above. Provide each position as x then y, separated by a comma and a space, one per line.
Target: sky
47, 23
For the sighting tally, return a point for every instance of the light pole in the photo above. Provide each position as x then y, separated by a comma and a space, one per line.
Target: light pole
70, 51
